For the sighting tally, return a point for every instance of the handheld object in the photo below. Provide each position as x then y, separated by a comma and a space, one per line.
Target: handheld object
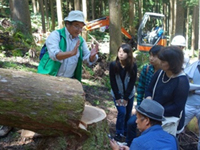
110, 137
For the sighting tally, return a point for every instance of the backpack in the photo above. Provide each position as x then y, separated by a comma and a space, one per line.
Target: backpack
44, 47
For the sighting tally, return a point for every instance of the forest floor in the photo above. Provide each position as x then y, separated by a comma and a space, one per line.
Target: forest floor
97, 95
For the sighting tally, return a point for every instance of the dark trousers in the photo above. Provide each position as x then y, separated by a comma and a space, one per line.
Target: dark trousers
124, 113
131, 130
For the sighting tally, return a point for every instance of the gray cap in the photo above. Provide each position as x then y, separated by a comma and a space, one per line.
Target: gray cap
151, 109
75, 15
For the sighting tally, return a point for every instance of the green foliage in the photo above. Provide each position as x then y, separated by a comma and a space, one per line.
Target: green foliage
91, 72
17, 52
106, 82
12, 65
6, 47
96, 102
97, 35
191, 3
142, 58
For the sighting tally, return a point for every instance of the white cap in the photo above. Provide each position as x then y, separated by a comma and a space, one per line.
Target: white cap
178, 40
75, 15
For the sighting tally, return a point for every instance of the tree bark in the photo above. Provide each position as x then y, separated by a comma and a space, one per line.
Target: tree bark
45, 104
77, 5
55, 108
94, 137
93, 9
42, 15
140, 10
194, 21
115, 27
132, 17
59, 13
187, 28
34, 6
180, 18
84, 8
20, 14
52, 15
171, 20
47, 13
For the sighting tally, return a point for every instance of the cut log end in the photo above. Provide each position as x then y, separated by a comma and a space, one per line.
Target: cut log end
91, 115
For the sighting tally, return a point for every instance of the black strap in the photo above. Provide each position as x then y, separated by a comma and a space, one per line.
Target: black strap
198, 68
147, 69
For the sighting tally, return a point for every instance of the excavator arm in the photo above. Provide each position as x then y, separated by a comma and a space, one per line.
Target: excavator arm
101, 22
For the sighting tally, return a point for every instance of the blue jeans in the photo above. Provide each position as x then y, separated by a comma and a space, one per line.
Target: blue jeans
131, 130
124, 113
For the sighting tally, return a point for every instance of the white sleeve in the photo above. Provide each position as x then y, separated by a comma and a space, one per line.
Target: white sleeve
52, 44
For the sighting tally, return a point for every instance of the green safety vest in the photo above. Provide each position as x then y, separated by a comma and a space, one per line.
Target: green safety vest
51, 67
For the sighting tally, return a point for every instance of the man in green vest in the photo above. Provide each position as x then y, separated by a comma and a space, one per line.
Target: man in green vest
66, 49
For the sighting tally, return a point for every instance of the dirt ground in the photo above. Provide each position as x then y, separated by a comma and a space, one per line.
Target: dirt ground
96, 95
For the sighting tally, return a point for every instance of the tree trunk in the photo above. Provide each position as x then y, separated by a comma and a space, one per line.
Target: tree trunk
174, 16
84, 4
38, 6
199, 33
42, 15
140, 10
171, 20
187, 28
70, 5
194, 21
180, 19
20, 14
53, 107
77, 5
166, 22
47, 13
52, 15
115, 27
59, 13
196, 28
93, 9
34, 6
131, 17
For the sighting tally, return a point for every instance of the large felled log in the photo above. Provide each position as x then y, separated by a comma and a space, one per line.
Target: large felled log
45, 104
51, 106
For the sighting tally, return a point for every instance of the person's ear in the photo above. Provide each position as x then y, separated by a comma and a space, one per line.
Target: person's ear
147, 120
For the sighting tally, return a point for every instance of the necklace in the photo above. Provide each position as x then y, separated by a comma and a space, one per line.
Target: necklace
167, 80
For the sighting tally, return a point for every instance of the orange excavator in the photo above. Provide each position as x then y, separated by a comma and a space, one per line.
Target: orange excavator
101, 22
146, 38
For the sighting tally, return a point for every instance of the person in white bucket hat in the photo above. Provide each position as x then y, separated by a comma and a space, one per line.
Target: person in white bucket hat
67, 49
75, 16
150, 115
180, 42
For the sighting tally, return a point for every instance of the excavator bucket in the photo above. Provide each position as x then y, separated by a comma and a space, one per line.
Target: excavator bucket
151, 32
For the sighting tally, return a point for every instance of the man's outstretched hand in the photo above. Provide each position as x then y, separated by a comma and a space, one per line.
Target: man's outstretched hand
93, 52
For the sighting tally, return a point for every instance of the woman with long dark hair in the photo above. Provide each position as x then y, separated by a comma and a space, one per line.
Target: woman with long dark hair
123, 73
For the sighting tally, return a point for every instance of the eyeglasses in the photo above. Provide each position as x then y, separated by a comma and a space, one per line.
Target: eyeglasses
77, 27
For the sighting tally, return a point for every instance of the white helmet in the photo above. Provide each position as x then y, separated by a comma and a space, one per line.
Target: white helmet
178, 40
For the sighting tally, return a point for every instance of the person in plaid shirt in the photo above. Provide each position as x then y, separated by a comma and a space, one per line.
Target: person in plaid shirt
144, 80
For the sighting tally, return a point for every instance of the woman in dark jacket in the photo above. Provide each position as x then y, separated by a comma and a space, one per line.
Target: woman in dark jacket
123, 73
170, 88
